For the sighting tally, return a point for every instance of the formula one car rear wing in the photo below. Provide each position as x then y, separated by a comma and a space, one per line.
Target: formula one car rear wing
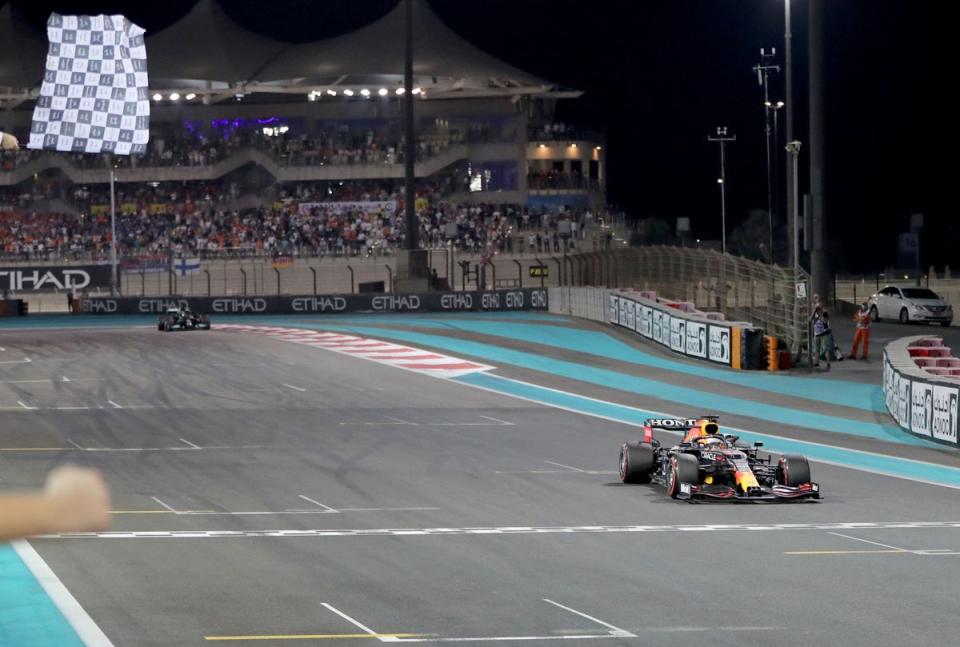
677, 423
673, 424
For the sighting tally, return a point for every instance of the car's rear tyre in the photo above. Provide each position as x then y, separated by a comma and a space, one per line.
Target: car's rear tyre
945, 323
684, 468
874, 313
904, 316
636, 462
794, 470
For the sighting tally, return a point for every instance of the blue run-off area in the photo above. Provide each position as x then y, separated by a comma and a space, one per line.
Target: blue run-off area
689, 397
27, 614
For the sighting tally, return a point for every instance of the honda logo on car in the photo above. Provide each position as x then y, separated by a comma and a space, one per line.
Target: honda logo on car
672, 423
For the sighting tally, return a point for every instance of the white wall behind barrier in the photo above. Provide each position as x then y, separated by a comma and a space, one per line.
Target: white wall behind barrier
586, 303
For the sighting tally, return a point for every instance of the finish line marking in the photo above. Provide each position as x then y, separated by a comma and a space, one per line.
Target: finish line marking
493, 530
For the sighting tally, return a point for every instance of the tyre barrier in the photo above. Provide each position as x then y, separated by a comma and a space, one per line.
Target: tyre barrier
921, 402
479, 300
682, 329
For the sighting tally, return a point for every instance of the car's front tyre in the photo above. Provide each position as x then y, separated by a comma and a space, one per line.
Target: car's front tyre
794, 470
684, 468
904, 316
874, 313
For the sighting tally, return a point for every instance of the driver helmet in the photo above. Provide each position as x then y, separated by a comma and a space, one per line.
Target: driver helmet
711, 442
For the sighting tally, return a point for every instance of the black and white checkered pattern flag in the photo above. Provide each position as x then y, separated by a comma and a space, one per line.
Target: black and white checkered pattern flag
94, 97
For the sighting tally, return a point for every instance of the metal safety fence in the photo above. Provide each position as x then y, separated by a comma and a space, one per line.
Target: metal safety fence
770, 297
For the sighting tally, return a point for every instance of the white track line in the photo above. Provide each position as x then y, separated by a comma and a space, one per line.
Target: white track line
75, 444
187, 442
505, 530
88, 631
114, 404
317, 503
25, 360
867, 541
65, 379
575, 469
622, 633
171, 509
26, 406
295, 388
502, 422
355, 623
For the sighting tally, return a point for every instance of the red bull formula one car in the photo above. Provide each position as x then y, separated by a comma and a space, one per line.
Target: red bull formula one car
710, 465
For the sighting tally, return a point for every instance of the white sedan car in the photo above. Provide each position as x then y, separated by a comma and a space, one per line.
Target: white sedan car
910, 304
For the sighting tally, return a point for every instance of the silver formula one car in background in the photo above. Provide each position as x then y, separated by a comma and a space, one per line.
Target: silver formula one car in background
182, 319
710, 465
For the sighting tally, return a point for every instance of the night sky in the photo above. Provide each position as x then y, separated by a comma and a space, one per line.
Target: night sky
661, 75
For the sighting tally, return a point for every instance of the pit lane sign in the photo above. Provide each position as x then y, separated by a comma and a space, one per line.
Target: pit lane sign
54, 277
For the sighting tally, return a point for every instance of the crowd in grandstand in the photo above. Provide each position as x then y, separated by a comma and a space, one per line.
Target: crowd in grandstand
306, 219
334, 143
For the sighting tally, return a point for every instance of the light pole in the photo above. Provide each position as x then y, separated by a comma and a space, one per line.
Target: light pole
763, 69
722, 138
774, 107
788, 86
793, 149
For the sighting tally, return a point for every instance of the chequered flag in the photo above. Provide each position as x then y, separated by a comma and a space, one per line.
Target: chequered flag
94, 97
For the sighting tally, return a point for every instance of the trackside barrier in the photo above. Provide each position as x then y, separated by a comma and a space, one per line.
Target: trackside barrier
922, 403
773, 361
479, 300
684, 330
13, 307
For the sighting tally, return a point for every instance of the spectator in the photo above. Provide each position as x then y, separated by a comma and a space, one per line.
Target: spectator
863, 320
821, 332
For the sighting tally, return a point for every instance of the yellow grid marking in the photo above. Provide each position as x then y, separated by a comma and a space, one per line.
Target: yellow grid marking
35, 449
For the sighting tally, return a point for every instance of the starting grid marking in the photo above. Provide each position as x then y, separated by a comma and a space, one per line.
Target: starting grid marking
498, 530
396, 355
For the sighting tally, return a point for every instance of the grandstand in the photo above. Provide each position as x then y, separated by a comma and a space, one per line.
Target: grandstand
242, 124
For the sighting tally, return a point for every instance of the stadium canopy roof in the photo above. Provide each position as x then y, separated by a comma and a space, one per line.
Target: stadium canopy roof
22, 58
208, 54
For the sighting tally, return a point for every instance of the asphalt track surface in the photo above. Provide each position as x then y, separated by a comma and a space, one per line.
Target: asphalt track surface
270, 492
